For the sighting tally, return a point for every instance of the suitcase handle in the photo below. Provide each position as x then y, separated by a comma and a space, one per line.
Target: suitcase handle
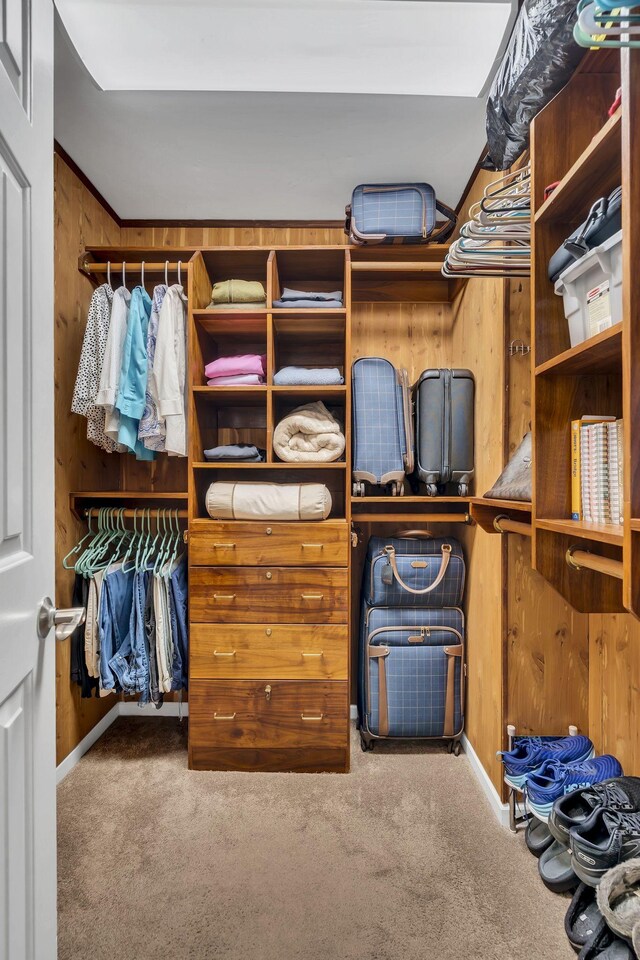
414, 535
446, 556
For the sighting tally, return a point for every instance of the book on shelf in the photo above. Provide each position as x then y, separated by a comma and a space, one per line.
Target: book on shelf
596, 469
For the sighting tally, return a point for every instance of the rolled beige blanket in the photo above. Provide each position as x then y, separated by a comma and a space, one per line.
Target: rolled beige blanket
238, 291
244, 500
309, 434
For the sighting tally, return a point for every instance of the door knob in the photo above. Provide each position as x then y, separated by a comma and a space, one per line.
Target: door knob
65, 621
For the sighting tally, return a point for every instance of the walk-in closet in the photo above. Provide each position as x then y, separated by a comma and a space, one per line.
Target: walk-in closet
319, 590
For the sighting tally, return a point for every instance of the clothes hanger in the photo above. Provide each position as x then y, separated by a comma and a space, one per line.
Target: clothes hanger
83, 566
109, 272
180, 272
132, 543
162, 548
78, 546
124, 275
594, 26
142, 274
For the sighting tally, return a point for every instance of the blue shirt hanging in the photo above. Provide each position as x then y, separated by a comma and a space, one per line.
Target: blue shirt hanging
132, 387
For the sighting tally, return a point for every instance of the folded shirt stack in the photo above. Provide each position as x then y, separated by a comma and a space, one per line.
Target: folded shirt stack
311, 376
239, 295
309, 298
248, 369
236, 451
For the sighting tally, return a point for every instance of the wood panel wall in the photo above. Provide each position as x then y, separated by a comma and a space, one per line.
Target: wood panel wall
79, 220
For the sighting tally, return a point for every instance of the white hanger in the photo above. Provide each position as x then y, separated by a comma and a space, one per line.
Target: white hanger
142, 275
180, 272
124, 274
166, 273
109, 272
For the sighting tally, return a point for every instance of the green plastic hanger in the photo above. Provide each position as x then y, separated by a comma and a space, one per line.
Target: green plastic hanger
78, 546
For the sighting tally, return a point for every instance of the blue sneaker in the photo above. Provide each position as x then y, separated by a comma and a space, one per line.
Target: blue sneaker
555, 779
529, 753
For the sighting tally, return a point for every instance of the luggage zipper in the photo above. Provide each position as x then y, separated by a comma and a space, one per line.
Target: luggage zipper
446, 432
401, 186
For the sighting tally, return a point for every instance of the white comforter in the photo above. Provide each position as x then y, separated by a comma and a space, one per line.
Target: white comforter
309, 434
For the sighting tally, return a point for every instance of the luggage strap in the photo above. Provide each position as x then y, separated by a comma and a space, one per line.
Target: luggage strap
449, 706
446, 556
383, 705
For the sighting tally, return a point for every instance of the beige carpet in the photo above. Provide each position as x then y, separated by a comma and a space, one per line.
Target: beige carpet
400, 860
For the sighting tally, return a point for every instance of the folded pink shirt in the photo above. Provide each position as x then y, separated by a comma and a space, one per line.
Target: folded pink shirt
247, 379
236, 366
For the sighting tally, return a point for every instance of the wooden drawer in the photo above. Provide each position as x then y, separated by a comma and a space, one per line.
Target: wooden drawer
257, 715
283, 651
323, 544
268, 595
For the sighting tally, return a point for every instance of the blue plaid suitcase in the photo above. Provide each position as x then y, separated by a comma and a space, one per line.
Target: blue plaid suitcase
411, 676
397, 213
412, 572
382, 425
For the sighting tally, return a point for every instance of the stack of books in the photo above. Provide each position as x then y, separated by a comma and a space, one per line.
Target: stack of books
596, 469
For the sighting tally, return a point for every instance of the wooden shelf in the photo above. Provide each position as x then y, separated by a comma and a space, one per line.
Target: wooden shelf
506, 506
232, 323
594, 174
611, 533
398, 501
599, 354
304, 323
316, 313
264, 465
634, 524
238, 396
312, 391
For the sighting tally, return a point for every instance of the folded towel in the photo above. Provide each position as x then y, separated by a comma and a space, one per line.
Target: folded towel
295, 304
250, 305
299, 376
236, 451
238, 291
309, 434
246, 379
236, 366
288, 294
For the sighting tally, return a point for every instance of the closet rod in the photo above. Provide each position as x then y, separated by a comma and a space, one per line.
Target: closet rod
135, 267
130, 513
582, 559
409, 517
504, 524
391, 266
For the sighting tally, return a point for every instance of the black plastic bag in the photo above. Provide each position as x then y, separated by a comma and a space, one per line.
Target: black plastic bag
539, 60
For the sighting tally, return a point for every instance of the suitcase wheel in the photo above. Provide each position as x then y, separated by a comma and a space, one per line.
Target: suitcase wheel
455, 747
358, 488
463, 489
397, 488
366, 745
432, 490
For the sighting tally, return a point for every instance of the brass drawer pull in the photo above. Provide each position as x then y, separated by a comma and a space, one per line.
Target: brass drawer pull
222, 653
321, 654
312, 596
224, 546
311, 716
318, 546
224, 596
224, 716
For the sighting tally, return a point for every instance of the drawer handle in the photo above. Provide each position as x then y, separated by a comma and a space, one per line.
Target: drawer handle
224, 716
321, 654
311, 716
224, 596
312, 596
224, 546
318, 546
221, 653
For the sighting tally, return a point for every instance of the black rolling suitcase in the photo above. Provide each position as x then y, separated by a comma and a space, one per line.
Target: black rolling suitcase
444, 406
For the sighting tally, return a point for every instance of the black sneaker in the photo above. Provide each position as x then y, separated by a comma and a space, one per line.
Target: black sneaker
606, 838
583, 918
604, 945
620, 793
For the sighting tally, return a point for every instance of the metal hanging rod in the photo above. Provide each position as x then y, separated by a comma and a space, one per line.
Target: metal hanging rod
584, 560
136, 267
504, 524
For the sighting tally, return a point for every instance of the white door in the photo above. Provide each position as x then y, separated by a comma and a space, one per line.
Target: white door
27, 675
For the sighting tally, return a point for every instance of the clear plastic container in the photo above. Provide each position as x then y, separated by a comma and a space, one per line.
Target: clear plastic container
591, 289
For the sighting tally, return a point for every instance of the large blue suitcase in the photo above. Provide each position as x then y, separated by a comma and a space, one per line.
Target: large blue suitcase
406, 571
411, 677
382, 425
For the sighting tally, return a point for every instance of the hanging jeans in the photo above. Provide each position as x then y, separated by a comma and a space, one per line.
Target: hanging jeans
115, 616
178, 613
130, 662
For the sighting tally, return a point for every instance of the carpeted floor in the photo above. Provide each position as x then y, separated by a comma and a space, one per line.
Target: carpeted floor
401, 860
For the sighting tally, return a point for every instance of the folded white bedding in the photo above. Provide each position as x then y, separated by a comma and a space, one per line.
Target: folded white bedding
309, 434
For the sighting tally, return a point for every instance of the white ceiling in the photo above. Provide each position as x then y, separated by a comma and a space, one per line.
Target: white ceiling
423, 47
231, 155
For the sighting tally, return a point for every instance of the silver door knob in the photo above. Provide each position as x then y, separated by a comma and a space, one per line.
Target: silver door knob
65, 621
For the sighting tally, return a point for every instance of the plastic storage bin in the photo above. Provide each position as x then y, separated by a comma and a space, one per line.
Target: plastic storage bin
591, 289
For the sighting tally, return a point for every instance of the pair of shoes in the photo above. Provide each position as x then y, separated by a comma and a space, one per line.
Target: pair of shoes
603, 823
554, 779
530, 753
605, 924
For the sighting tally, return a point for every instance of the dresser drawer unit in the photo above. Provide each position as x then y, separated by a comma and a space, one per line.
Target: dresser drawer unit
324, 544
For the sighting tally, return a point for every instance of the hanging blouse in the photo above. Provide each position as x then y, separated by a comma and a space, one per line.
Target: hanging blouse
169, 367
152, 427
133, 374
110, 376
90, 368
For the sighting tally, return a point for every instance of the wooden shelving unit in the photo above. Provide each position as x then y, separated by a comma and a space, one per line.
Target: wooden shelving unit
595, 154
